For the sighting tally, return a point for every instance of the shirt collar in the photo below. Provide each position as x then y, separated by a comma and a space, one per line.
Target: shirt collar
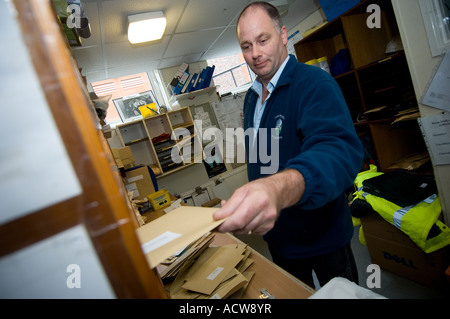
257, 85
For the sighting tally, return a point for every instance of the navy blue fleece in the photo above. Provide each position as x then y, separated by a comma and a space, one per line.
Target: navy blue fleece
316, 137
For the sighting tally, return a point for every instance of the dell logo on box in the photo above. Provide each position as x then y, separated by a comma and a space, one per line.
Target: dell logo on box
399, 260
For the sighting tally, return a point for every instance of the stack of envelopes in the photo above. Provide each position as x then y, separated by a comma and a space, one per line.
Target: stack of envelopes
178, 245
168, 234
217, 273
172, 265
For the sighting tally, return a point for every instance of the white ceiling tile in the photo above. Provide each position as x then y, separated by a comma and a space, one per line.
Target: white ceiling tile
132, 69
95, 37
196, 30
214, 54
206, 14
170, 62
89, 58
191, 42
123, 53
191, 58
298, 11
227, 41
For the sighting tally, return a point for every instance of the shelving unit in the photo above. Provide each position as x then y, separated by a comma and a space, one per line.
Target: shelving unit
375, 79
162, 141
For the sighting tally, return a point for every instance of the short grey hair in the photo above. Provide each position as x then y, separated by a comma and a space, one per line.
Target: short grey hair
271, 11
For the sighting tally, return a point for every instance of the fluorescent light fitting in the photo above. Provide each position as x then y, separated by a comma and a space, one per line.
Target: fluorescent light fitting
145, 27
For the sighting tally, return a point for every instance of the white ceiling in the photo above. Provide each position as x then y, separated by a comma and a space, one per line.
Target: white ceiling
196, 30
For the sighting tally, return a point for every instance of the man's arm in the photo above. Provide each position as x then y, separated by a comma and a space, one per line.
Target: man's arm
256, 206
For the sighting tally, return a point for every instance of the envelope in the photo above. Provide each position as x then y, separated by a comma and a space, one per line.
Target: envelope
208, 275
228, 286
168, 234
193, 252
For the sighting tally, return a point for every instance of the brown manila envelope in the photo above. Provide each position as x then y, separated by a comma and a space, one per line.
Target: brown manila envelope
168, 234
208, 275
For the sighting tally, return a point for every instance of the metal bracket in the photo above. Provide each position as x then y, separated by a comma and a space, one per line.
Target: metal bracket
266, 295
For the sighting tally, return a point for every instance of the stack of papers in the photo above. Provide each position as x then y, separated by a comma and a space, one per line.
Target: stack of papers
407, 115
171, 266
172, 232
178, 245
218, 273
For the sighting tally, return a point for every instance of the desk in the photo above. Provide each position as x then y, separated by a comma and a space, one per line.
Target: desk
267, 275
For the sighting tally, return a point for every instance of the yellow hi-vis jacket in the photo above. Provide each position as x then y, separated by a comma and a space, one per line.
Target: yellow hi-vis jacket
415, 221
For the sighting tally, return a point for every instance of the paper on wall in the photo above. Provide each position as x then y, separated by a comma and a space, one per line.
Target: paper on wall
436, 133
438, 93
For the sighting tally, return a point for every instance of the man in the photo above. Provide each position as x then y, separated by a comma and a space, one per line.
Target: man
301, 210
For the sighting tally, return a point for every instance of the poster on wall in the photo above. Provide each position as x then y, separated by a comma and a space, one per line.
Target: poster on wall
436, 133
437, 95
128, 106
213, 160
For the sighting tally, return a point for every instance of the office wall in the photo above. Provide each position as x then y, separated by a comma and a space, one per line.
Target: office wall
310, 22
421, 64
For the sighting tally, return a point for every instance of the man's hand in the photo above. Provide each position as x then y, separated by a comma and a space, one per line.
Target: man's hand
255, 207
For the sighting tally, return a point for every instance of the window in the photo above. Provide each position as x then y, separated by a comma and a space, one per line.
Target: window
118, 88
231, 72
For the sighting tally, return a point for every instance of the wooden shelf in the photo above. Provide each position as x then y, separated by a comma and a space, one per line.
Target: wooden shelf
136, 141
374, 79
193, 95
158, 153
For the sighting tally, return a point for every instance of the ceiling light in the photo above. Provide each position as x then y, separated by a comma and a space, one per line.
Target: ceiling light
145, 27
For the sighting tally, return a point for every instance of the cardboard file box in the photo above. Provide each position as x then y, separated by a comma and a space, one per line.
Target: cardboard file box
123, 157
139, 181
394, 251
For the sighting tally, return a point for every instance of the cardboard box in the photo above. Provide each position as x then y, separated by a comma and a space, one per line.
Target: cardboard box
123, 156
139, 181
394, 251
215, 202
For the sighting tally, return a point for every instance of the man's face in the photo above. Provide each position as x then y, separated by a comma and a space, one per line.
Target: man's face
264, 49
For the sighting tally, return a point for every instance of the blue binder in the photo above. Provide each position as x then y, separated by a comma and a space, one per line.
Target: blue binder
192, 82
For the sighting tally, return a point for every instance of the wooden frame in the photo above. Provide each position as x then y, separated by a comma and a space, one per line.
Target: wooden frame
102, 207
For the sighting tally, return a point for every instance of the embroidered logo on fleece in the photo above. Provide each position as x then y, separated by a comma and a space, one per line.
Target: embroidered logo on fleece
279, 126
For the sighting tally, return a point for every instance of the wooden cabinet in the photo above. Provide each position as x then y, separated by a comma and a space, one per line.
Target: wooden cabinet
374, 80
167, 142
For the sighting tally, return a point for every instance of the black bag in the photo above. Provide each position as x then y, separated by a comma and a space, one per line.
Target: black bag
400, 187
